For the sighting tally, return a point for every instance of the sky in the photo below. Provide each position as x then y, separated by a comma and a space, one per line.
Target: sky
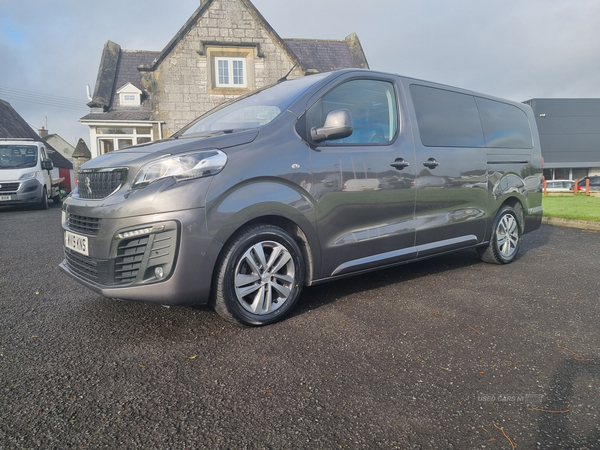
515, 49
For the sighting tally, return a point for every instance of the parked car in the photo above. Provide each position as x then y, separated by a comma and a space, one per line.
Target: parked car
559, 185
594, 183
263, 195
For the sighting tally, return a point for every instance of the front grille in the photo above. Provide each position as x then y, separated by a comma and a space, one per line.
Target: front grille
94, 270
96, 185
85, 225
9, 187
130, 255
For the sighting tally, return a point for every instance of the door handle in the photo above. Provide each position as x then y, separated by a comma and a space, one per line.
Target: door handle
431, 163
400, 163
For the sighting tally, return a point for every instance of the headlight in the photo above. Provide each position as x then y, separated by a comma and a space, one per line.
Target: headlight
203, 163
27, 176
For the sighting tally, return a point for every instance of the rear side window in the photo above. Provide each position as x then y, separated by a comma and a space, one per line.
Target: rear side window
372, 104
446, 118
504, 125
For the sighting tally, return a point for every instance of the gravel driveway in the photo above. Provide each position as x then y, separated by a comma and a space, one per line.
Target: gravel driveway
440, 354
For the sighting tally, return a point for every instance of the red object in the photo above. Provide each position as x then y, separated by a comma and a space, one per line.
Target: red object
587, 187
66, 174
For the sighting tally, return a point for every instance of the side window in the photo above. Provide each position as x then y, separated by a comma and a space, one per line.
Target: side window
371, 103
446, 118
504, 125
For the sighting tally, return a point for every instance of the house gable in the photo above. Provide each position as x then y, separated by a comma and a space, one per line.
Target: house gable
195, 72
223, 19
61, 146
225, 49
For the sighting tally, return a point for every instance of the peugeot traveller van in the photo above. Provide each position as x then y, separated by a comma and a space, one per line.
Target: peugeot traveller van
274, 191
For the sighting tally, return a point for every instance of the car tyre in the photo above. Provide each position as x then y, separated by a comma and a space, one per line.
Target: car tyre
44, 201
259, 276
506, 238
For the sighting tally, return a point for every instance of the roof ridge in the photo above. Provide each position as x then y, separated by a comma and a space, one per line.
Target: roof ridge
140, 51
317, 40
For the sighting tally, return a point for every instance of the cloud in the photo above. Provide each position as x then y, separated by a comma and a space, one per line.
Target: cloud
513, 49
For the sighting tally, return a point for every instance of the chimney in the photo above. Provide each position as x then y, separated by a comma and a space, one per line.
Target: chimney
43, 132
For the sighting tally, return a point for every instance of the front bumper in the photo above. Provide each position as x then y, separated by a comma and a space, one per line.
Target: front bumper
29, 191
124, 266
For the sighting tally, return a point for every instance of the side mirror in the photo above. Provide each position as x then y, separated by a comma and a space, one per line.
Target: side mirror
338, 125
47, 164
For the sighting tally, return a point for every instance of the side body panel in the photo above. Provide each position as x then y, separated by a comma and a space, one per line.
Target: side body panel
462, 184
452, 202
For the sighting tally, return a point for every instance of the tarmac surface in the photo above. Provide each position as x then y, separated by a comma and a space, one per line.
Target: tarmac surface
448, 353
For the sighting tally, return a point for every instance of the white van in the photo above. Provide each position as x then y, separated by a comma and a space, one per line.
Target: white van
25, 174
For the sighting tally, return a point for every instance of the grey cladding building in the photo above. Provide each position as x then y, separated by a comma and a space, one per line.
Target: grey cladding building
570, 136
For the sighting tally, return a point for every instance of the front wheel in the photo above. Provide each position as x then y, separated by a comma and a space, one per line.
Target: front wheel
259, 276
506, 238
44, 201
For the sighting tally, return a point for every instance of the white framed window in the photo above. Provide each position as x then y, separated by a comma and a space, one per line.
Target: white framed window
230, 72
118, 138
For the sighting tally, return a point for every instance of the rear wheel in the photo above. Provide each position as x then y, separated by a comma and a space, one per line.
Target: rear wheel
506, 238
259, 276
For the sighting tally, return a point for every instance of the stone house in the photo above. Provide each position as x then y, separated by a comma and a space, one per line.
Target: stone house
224, 50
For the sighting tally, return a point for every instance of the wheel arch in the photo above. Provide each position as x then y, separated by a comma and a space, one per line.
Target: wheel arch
293, 229
270, 201
516, 204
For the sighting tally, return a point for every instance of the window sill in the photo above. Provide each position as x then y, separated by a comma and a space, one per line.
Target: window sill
229, 90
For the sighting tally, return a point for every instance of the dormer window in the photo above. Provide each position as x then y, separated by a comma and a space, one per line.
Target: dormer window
129, 95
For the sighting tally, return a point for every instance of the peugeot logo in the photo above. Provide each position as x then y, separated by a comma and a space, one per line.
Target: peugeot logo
87, 184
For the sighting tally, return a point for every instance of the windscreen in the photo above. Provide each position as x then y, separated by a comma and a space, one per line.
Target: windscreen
252, 110
18, 156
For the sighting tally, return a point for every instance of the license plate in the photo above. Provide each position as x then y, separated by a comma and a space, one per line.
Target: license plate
5, 198
76, 243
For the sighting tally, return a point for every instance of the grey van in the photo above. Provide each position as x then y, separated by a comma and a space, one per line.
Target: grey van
306, 181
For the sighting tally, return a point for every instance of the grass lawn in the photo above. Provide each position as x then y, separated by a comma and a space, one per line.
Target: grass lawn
571, 206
